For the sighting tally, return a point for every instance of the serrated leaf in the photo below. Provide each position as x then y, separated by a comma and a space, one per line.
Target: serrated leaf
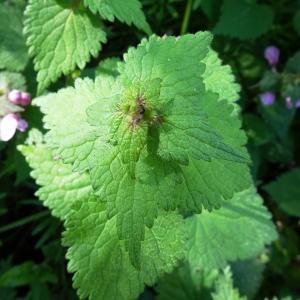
244, 20
219, 79
202, 186
13, 50
70, 134
183, 131
117, 128
129, 12
61, 36
134, 200
224, 289
102, 266
238, 230
60, 187
285, 192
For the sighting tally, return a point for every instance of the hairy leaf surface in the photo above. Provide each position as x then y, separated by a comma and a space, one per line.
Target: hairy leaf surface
61, 35
102, 266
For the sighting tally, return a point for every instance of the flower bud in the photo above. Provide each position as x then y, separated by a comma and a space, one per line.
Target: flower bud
22, 125
14, 96
8, 127
272, 54
267, 98
25, 99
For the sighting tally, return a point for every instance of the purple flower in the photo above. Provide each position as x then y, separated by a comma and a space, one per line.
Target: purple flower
25, 99
267, 98
272, 54
8, 127
288, 103
22, 125
297, 104
15, 96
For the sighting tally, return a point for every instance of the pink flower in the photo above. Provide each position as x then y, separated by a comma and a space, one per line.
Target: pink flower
10, 124
272, 54
19, 98
15, 96
8, 127
267, 98
22, 125
25, 99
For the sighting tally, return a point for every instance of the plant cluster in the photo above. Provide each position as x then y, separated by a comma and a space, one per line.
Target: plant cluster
172, 171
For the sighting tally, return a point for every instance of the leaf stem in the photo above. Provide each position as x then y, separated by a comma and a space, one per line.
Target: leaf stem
187, 16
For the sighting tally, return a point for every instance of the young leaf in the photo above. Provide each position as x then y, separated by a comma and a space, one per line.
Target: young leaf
219, 236
61, 36
285, 192
243, 20
156, 110
13, 50
102, 266
129, 11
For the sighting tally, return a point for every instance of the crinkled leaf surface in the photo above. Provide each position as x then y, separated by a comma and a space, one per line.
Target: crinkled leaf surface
13, 50
286, 193
219, 79
202, 186
102, 266
244, 20
60, 187
126, 130
70, 134
61, 35
238, 230
129, 11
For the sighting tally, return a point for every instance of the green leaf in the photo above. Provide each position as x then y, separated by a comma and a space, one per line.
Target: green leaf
27, 273
178, 285
219, 79
129, 12
211, 8
285, 192
293, 63
184, 130
201, 185
239, 230
248, 276
134, 200
60, 187
102, 266
119, 128
70, 134
61, 36
224, 289
244, 20
13, 50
